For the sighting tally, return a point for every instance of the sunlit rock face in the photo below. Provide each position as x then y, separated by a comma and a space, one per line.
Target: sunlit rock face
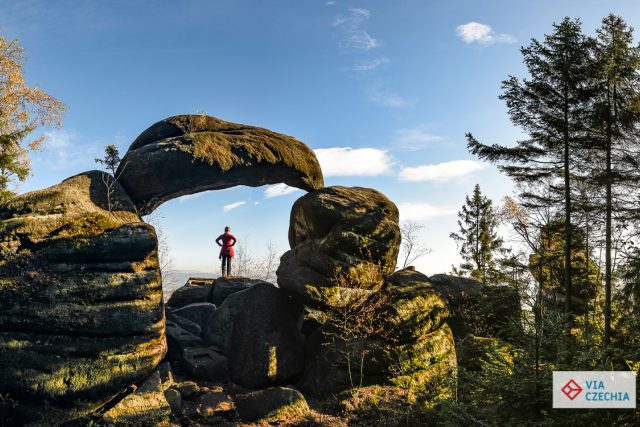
81, 314
334, 229
413, 346
191, 153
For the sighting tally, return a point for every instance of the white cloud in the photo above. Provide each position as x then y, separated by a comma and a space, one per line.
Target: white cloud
279, 190
227, 208
422, 211
369, 65
440, 171
330, 3
415, 138
61, 150
385, 97
354, 37
347, 161
474, 32
186, 198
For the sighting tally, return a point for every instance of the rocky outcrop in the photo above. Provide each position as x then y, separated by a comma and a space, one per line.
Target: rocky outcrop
191, 153
204, 290
411, 345
196, 290
478, 309
337, 229
81, 315
258, 330
226, 286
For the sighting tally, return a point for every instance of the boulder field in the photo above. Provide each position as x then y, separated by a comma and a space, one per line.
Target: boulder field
85, 334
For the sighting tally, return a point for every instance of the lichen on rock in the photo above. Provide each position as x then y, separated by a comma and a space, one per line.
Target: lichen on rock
191, 153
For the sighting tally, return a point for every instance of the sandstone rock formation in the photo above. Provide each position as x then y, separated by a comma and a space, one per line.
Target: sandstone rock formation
258, 330
477, 309
194, 291
413, 346
337, 228
191, 153
81, 315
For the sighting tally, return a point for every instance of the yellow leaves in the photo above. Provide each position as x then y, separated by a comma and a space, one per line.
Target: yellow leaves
22, 106
22, 109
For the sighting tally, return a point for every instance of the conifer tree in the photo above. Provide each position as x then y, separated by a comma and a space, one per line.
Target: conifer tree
551, 106
477, 238
616, 115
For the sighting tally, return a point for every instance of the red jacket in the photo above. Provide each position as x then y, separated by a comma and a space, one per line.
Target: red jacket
228, 240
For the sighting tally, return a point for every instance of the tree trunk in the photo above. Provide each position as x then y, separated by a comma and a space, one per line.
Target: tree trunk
567, 217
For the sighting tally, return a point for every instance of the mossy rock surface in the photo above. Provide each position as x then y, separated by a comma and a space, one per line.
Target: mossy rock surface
337, 229
415, 308
81, 315
191, 153
413, 349
271, 405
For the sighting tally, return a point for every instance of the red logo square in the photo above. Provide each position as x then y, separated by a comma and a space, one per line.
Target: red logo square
571, 389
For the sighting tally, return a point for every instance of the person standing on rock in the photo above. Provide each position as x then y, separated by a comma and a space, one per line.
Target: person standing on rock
226, 242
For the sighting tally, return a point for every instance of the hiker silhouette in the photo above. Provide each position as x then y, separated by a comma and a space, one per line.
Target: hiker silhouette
226, 242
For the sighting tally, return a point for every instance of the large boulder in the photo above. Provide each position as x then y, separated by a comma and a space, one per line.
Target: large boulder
271, 405
205, 364
337, 230
408, 343
191, 153
258, 329
482, 310
196, 290
81, 316
197, 312
226, 286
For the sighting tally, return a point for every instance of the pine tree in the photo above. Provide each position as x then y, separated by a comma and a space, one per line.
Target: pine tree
551, 107
477, 238
616, 115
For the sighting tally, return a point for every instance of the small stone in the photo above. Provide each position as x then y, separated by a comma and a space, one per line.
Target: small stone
188, 389
210, 404
174, 398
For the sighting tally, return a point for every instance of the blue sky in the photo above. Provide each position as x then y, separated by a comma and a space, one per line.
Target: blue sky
385, 91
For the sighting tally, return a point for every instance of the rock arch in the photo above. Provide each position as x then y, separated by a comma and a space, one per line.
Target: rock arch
81, 315
191, 153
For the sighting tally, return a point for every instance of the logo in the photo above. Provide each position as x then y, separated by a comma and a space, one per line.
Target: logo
594, 389
571, 389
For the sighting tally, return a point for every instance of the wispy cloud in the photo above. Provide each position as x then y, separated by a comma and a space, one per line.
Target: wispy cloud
368, 65
278, 190
422, 211
347, 161
354, 37
482, 34
61, 150
414, 138
183, 199
382, 96
330, 3
227, 208
440, 171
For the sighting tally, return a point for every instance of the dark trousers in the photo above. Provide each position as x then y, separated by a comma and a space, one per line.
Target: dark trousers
226, 260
